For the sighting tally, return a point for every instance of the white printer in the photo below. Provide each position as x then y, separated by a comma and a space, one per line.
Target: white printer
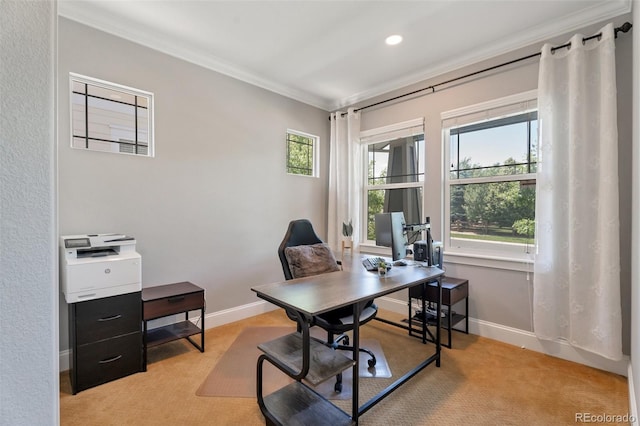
99, 265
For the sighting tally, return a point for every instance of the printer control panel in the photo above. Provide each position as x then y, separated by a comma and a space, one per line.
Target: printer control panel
77, 243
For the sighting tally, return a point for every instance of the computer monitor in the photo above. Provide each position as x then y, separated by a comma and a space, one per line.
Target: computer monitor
390, 232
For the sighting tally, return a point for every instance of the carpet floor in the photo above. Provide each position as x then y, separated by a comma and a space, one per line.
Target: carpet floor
480, 382
231, 377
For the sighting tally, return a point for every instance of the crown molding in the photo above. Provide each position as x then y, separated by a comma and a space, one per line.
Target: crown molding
539, 34
84, 13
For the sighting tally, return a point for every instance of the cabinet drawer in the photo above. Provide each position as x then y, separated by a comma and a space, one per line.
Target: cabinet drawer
172, 305
108, 360
453, 291
107, 317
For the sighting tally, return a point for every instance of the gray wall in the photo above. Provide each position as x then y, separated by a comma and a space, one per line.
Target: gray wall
634, 379
214, 203
501, 296
28, 266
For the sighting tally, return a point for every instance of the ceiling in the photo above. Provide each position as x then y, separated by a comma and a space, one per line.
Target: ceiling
331, 54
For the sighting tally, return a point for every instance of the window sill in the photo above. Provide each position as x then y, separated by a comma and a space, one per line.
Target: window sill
373, 249
523, 264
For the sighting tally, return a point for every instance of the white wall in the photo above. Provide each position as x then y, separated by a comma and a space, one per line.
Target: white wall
501, 300
215, 202
28, 299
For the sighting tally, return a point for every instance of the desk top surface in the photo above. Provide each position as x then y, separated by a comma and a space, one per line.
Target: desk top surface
321, 293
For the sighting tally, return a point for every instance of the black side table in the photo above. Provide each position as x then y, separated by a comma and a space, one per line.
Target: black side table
171, 299
454, 290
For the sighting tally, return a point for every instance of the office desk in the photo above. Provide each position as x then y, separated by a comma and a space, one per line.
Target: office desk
311, 296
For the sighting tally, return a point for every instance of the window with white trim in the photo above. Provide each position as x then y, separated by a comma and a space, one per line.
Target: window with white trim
302, 153
110, 117
394, 176
490, 177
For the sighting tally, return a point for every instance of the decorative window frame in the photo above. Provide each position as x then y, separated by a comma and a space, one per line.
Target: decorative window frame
118, 129
315, 153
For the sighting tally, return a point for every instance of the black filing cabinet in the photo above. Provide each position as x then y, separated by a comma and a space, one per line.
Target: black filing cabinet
105, 340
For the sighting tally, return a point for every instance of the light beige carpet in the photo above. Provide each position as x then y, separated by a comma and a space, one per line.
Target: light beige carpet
235, 374
481, 382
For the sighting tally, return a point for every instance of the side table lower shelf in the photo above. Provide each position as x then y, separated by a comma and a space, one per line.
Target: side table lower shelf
168, 333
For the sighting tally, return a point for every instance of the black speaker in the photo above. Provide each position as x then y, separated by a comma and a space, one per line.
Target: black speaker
420, 251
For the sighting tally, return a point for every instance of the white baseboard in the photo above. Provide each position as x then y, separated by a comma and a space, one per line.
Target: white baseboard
216, 319
633, 407
526, 340
513, 336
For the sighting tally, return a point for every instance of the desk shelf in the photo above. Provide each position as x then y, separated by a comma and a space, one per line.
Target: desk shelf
297, 404
324, 363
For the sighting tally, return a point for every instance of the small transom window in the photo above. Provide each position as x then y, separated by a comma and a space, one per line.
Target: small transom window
302, 153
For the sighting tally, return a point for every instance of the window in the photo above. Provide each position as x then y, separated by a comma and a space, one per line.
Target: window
110, 117
491, 160
302, 153
395, 159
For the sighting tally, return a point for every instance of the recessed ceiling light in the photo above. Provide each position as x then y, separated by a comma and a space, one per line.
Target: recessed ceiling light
392, 40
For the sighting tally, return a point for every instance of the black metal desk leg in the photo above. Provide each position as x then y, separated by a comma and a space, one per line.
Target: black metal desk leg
355, 382
438, 322
423, 289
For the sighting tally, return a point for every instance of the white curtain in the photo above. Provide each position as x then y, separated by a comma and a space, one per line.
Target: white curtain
344, 176
577, 268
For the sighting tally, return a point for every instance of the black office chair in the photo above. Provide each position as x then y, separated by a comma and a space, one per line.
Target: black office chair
338, 321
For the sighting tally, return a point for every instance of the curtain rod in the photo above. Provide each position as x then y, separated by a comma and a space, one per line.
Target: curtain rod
624, 28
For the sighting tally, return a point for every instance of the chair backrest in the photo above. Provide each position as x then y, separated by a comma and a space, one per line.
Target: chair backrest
299, 233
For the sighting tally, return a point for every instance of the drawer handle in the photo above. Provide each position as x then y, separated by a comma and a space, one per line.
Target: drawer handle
106, 361
113, 317
175, 299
